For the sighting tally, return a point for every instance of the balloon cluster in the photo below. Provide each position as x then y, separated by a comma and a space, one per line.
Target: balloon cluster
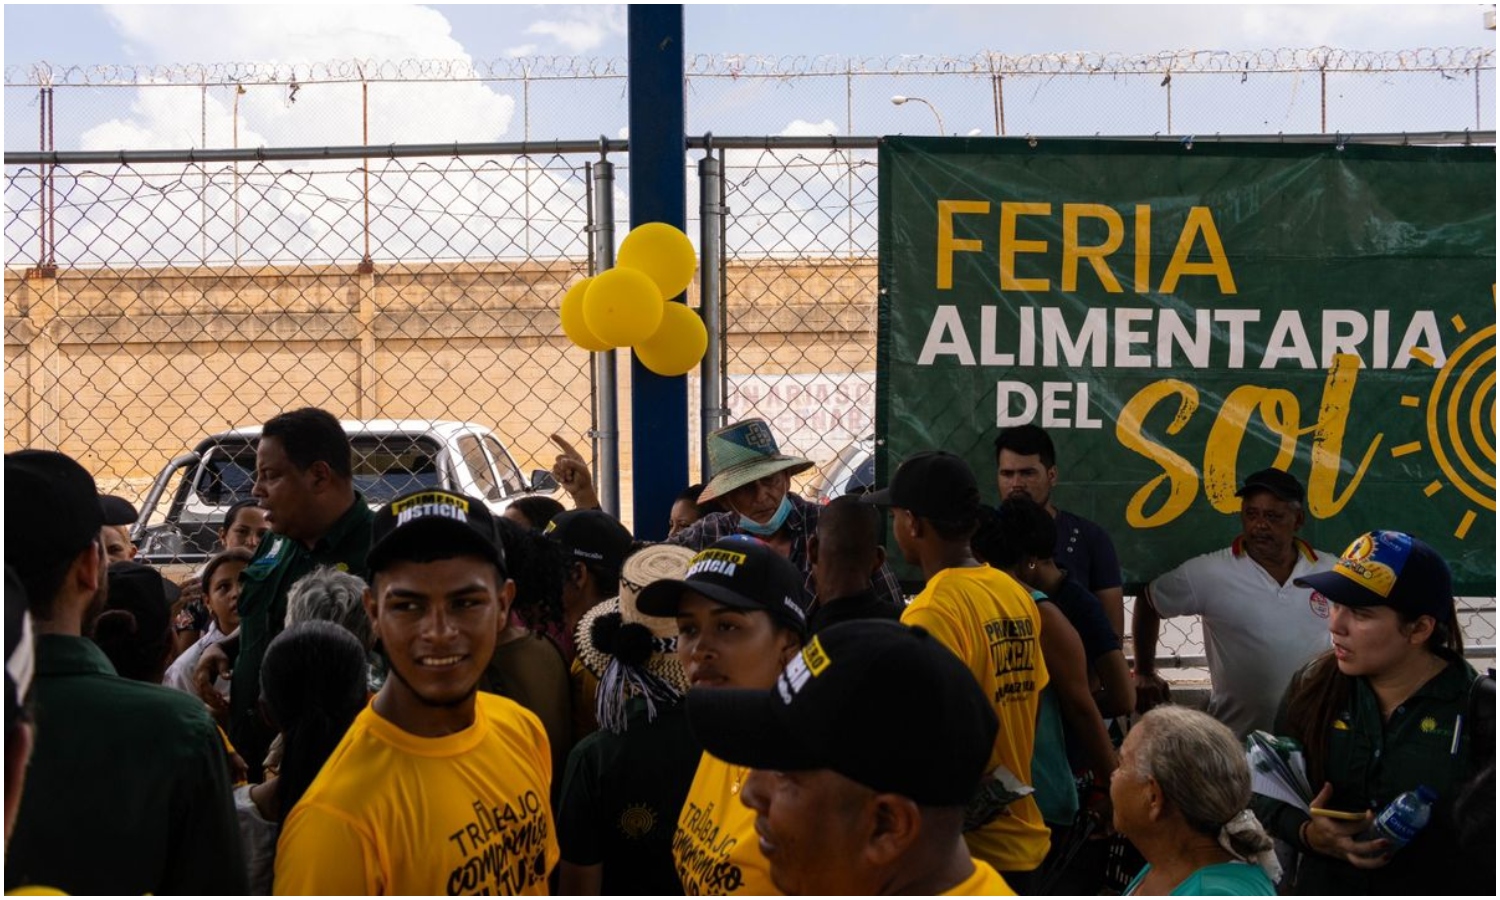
625, 306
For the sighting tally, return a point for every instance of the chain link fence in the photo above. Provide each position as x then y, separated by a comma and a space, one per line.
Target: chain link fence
162, 303
151, 303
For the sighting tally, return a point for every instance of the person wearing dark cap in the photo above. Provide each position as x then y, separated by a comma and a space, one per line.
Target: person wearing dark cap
1384, 711
1259, 625
594, 546
739, 621
437, 787
991, 623
862, 757
118, 513
140, 764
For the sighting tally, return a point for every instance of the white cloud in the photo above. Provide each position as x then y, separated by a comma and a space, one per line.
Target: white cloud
584, 28
802, 128
326, 113
624, 133
521, 50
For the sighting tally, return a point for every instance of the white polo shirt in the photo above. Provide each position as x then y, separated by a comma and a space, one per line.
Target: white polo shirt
1256, 633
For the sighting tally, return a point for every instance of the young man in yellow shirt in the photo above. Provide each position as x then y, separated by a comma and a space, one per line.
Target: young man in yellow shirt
991, 623
436, 788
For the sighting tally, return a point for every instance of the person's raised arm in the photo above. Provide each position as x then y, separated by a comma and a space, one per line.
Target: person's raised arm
572, 472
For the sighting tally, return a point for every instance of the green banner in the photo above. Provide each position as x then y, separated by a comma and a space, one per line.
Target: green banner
1178, 315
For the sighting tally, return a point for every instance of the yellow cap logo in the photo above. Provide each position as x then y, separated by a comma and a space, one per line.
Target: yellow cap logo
816, 658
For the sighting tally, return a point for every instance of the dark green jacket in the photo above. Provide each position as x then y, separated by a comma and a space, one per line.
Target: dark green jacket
128, 787
279, 562
1370, 763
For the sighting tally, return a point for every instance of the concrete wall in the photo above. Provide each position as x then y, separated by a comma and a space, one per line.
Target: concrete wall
124, 369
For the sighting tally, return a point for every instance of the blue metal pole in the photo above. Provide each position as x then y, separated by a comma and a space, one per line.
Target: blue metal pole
658, 193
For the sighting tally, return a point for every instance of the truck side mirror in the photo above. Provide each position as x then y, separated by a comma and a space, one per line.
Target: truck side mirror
542, 480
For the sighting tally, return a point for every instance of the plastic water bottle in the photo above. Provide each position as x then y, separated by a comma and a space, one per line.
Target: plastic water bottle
1405, 817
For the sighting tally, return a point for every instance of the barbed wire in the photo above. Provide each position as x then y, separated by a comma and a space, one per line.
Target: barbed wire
1315, 59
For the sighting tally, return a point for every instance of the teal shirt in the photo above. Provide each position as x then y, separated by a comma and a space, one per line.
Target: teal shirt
279, 562
1056, 792
128, 787
1231, 879
1371, 761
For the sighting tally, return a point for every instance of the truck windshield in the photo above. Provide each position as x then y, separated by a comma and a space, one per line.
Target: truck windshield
385, 467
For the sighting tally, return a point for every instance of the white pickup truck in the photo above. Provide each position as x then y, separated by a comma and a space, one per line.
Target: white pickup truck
182, 513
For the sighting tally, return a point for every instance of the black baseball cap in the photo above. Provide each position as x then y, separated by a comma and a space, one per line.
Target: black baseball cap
52, 508
1388, 568
883, 704
464, 522
737, 571
933, 484
1281, 483
591, 536
117, 510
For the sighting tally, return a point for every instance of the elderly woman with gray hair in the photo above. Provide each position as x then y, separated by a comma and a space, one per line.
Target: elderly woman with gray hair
1180, 795
332, 595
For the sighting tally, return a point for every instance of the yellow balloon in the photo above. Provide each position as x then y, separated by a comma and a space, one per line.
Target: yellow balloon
572, 319
663, 252
678, 345
622, 306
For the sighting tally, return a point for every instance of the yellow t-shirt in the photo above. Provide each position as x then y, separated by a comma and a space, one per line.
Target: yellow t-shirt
715, 847
991, 623
985, 882
394, 813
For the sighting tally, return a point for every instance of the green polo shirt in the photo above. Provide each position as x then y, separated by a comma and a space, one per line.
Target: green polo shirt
1372, 761
278, 563
128, 788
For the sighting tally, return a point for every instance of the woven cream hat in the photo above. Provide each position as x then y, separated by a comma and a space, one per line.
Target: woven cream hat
631, 653
742, 453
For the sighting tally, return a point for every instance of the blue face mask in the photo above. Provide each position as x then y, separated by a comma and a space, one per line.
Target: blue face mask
750, 526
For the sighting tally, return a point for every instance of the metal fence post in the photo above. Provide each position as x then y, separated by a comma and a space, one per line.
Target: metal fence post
607, 392
710, 295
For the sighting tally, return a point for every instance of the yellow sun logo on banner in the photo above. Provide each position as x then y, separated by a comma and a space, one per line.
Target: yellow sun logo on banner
1460, 420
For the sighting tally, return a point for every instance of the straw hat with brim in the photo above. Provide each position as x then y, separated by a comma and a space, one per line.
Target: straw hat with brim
633, 654
743, 453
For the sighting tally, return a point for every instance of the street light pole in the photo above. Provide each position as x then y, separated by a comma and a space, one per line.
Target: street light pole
900, 100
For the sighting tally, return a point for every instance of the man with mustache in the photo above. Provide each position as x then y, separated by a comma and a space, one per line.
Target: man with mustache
1259, 627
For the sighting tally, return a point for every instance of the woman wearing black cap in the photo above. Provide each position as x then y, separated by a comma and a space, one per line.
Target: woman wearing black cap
1379, 714
740, 621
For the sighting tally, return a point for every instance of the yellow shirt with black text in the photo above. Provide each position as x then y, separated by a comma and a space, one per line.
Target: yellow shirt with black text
394, 813
715, 848
991, 623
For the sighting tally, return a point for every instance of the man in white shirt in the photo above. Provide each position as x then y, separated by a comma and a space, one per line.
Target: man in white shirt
1258, 627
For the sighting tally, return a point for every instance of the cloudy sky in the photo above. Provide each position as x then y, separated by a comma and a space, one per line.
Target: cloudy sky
274, 115
84, 34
